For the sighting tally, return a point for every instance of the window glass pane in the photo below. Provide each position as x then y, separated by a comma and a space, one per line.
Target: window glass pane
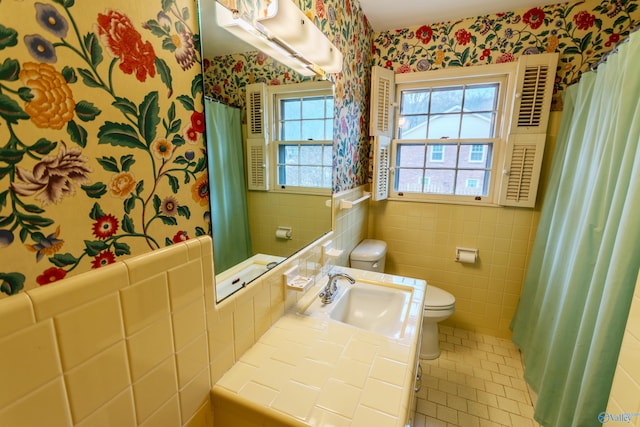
327, 177
288, 154
477, 125
313, 130
472, 183
329, 107
327, 155
311, 155
412, 127
443, 126
481, 97
440, 181
313, 108
409, 180
442, 156
414, 102
410, 155
446, 99
311, 176
290, 109
328, 129
291, 175
290, 131
475, 156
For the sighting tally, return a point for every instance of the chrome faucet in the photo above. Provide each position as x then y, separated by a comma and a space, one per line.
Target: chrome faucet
331, 288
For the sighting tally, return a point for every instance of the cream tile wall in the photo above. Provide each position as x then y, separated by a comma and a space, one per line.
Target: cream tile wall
625, 391
350, 225
421, 240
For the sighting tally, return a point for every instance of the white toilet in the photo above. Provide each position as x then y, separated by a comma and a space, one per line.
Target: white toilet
438, 306
370, 255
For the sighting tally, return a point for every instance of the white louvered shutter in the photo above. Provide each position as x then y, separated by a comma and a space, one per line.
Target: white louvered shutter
257, 126
382, 98
381, 129
528, 130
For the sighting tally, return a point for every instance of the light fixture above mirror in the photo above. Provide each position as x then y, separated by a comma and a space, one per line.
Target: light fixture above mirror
287, 35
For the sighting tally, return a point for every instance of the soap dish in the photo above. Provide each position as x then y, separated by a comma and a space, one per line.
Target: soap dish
294, 281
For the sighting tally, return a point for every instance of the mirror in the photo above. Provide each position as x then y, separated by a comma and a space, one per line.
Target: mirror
244, 253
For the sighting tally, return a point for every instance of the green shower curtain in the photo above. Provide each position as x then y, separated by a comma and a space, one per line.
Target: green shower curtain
580, 279
228, 197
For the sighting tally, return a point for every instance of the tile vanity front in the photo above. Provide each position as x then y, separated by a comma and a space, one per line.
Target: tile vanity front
312, 370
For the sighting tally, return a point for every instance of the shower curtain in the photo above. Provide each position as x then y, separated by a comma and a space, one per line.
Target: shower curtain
227, 190
580, 279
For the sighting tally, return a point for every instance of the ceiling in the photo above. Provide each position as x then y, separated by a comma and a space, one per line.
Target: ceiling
386, 15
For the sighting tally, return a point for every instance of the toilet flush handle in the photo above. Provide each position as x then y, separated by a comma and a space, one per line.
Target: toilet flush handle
375, 265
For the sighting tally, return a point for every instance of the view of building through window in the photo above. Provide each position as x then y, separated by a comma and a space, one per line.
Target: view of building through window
305, 141
445, 139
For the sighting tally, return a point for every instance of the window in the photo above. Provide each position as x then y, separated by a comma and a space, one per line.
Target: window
472, 135
446, 136
304, 139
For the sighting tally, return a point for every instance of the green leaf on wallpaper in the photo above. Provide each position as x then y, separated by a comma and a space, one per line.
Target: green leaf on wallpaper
127, 161
9, 70
11, 156
8, 37
184, 211
571, 50
168, 220
173, 182
202, 165
110, 164
166, 5
92, 45
171, 112
65, 3
177, 140
168, 44
185, 13
165, 72
10, 110
121, 249
196, 85
200, 231
96, 211
187, 102
119, 134
69, 74
181, 160
585, 42
175, 126
12, 283
95, 191
77, 133
43, 146
87, 111
25, 94
3, 198
155, 28
7, 220
88, 78
94, 247
126, 106
63, 260
139, 187
129, 204
156, 203
127, 224
33, 209
148, 119
36, 220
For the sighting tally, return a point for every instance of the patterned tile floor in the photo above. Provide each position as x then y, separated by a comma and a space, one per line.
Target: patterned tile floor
476, 382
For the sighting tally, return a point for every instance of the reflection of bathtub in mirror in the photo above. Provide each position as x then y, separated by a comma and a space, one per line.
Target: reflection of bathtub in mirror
242, 274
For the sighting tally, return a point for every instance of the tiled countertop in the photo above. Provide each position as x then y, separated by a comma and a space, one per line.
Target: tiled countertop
316, 372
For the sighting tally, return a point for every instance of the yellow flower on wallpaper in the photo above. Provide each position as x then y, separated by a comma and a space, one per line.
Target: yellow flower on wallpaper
52, 105
122, 184
162, 149
200, 190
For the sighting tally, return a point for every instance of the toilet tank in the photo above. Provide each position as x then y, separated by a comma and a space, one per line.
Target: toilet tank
369, 255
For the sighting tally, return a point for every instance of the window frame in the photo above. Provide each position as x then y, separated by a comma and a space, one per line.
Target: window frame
504, 76
299, 90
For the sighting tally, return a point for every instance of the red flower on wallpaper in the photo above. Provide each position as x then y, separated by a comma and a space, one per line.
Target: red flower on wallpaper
320, 8
424, 34
51, 275
584, 20
534, 17
105, 226
505, 57
462, 36
102, 259
180, 236
124, 42
197, 121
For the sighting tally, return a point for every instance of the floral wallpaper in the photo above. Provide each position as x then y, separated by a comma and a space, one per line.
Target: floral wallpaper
346, 26
101, 123
581, 32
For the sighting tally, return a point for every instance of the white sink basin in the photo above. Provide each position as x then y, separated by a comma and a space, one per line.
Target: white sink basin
376, 308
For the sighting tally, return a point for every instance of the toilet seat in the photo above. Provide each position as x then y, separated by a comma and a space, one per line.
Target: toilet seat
438, 299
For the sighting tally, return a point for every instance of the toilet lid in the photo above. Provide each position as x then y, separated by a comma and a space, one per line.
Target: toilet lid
438, 299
